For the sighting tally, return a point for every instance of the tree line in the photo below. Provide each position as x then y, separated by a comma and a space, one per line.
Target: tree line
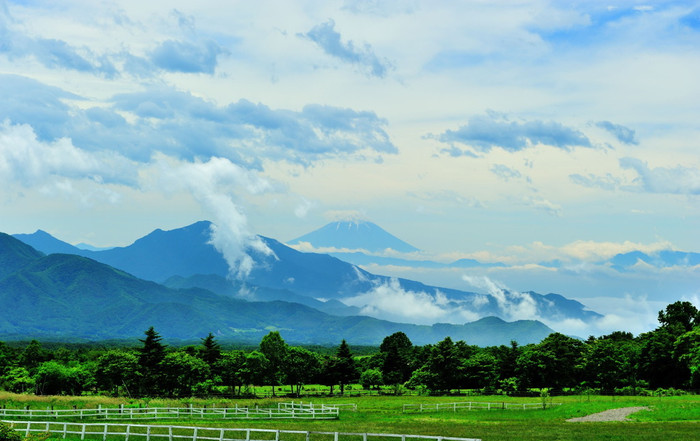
667, 357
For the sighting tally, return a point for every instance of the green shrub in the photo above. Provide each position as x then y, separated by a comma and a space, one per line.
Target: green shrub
7, 434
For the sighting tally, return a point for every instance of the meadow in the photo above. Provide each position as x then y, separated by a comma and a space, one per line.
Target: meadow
669, 418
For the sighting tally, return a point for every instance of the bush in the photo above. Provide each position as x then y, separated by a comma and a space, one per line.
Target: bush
7, 434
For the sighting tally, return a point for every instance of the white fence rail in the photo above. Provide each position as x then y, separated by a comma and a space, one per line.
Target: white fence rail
474, 405
308, 406
283, 411
136, 432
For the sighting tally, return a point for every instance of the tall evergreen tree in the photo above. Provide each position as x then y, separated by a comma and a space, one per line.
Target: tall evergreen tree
344, 366
211, 351
150, 356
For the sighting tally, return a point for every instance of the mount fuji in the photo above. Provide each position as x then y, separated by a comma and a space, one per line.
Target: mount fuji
354, 235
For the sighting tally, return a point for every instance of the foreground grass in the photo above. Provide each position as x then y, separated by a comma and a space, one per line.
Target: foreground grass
676, 418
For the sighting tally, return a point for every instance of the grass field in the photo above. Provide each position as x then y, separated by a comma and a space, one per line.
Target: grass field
669, 418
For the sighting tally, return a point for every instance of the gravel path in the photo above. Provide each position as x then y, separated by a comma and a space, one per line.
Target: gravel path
619, 414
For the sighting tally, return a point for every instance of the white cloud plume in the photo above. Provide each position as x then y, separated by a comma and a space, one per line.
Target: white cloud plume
513, 305
214, 184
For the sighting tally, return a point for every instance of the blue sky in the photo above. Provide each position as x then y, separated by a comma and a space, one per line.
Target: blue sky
516, 131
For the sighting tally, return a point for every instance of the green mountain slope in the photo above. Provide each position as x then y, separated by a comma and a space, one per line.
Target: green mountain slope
15, 254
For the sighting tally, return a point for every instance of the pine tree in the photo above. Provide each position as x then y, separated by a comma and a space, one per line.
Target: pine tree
211, 352
344, 366
150, 356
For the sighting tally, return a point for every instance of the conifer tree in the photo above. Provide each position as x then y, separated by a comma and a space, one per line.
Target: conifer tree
150, 356
345, 368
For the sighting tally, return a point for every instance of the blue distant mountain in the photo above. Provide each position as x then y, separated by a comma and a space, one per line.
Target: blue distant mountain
46, 243
67, 297
185, 255
662, 259
361, 238
354, 235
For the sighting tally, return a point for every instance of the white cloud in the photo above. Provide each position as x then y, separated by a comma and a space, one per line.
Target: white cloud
29, 162
391, 300
213, 184
513, 305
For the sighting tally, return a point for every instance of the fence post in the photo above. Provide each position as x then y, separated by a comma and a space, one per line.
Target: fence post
194, 435
128, 429
170, 433
247, 435
82, 432
104, 433
28, 424
308, 436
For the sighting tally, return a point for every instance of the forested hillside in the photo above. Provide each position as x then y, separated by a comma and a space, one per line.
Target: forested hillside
668, 357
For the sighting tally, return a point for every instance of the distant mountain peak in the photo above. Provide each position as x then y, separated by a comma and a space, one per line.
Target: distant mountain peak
354, 234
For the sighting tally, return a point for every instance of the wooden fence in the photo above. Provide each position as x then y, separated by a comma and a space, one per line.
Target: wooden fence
474, 405
137, 432
283, 411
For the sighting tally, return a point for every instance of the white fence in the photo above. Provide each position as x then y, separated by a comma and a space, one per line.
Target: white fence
135, 432
474, 405
283, 411
301, 406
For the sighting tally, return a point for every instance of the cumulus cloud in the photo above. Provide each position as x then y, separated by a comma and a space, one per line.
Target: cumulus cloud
165, 120
28, 161
329, 40
485, 132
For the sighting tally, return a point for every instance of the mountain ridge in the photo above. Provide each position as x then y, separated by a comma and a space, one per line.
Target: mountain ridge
65, 295
289, 274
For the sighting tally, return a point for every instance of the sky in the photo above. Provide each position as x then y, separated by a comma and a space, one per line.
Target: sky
518, 132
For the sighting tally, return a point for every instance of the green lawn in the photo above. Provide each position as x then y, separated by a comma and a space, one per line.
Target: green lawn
669, 418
